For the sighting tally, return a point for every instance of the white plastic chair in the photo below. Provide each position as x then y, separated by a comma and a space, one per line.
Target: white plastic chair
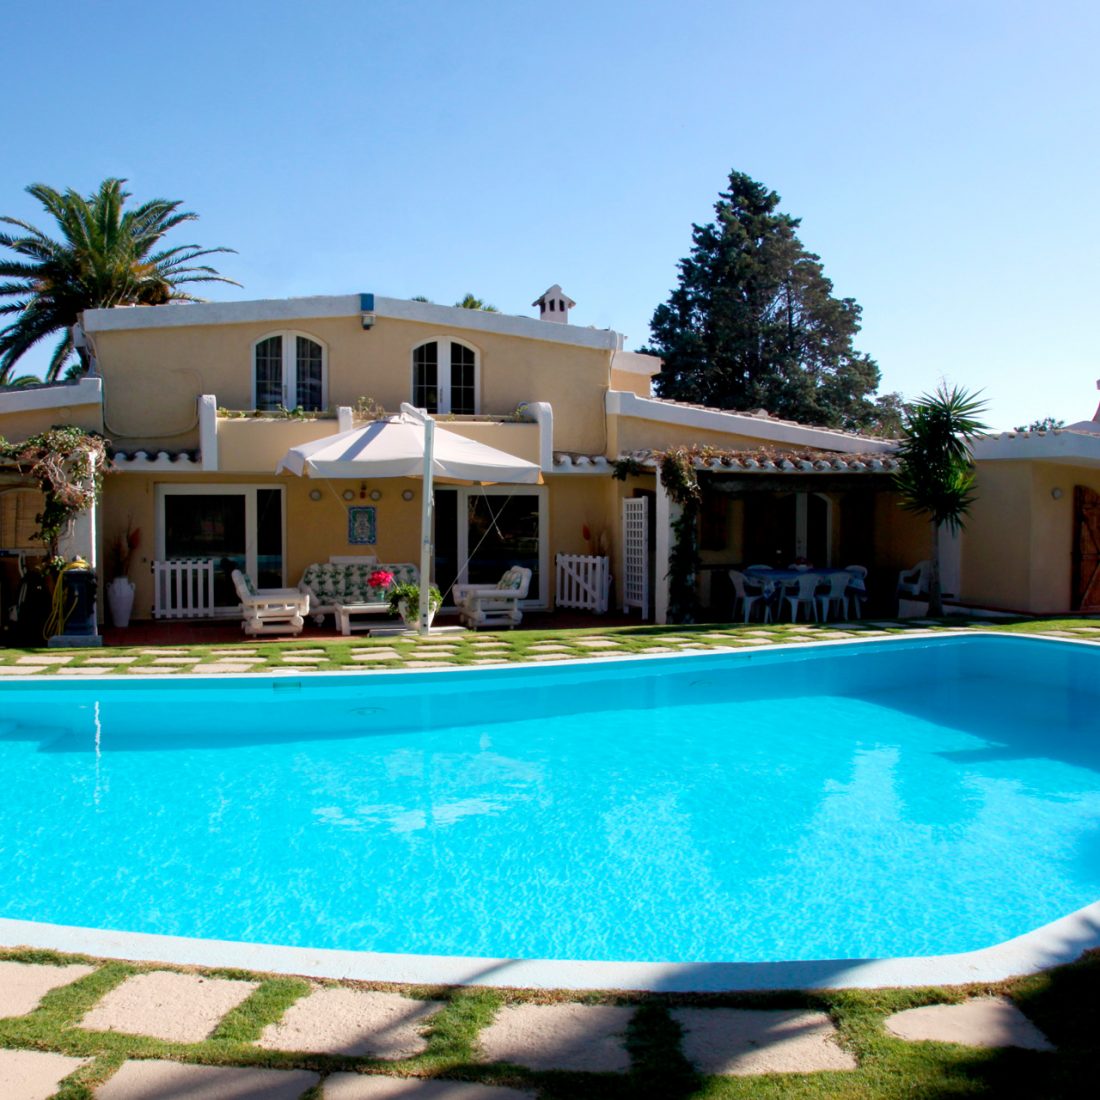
740, 584
857, 593
837, 594
804, 590
915, 581
270, 610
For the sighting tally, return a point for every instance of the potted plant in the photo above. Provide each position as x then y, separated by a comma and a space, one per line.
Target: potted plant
405, 601
120, 591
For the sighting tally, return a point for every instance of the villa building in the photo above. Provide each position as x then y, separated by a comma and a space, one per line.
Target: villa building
201, 401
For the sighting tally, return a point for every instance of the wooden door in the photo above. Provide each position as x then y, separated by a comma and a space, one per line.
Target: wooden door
1086, 549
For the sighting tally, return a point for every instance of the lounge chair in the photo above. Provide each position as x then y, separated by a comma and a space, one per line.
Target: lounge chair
493, 604
270, 610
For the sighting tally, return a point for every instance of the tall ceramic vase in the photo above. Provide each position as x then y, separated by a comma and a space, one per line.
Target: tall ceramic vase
120, 599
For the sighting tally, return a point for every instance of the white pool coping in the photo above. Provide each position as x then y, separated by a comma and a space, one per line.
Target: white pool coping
1062, 941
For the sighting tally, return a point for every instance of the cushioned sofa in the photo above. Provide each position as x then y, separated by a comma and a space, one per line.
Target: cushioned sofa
344, 581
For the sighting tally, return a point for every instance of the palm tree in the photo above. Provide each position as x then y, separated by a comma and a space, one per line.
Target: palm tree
936, 475
102, 257
471, 301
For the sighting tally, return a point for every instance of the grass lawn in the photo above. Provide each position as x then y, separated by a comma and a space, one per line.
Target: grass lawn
490, 647
1064, 1003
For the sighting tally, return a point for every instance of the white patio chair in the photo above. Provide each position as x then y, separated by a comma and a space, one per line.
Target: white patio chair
741, 584
802, 592
270, 610
493, 604
857, 590
836, 594
915, 581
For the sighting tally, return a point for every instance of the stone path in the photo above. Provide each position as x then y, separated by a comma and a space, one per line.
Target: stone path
34, 1074
23, 985
742, 1042
179, 1008
562, 1036
982, 1022
354, 1022
145, 1080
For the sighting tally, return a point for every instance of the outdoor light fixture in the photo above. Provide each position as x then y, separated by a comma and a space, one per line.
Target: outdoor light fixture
315, 494
1056, 493
348, 494
407, 494
376, 494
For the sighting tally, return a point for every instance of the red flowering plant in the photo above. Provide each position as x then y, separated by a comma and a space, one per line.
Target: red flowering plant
380, 578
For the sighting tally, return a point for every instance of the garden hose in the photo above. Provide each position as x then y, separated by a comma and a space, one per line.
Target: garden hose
55, 624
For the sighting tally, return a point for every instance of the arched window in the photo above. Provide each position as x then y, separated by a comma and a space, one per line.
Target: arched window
445, 377
289, 369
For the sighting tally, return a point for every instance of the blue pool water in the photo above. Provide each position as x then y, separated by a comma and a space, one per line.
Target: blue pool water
898, 798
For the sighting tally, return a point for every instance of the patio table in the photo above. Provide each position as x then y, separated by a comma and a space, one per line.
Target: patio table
344, 613
770, 579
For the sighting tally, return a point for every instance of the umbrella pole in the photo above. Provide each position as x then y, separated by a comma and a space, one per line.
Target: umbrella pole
426, 529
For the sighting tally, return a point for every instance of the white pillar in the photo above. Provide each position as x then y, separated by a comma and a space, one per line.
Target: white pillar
667, 511
79, 540
208, 432
950, 563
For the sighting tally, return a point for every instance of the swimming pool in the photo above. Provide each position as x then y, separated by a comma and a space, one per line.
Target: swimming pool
913, 797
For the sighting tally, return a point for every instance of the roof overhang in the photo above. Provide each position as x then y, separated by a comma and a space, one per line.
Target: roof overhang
285, 310
622, 403
1071, 448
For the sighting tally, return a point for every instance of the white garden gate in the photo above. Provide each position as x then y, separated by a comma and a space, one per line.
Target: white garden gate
183, 588
584, 581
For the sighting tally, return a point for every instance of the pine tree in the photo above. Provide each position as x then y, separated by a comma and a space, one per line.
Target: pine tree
754, 322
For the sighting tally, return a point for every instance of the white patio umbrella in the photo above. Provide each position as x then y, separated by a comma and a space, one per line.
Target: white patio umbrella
409, 445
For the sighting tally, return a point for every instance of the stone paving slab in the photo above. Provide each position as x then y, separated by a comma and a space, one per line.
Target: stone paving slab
597, 643
179, 1008
92, 671
175, 660
354, 1022
982, 1022
428, 664
157, 670
43, 659
109, 660
23, 985
173, 1081
583, 1038
33, 1074
738, 1042
357, 1086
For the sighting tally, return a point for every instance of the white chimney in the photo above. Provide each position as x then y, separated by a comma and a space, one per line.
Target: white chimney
554, 305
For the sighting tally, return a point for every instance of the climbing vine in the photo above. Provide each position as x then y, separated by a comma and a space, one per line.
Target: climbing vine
68, 465
681, 481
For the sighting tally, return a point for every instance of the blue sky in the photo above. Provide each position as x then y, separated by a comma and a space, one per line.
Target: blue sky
943, 157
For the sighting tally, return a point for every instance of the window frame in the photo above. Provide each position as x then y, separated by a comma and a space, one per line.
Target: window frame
444, 386
290, 367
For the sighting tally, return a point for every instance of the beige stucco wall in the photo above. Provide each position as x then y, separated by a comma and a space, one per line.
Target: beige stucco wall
152, 377
1018, 544
17, 426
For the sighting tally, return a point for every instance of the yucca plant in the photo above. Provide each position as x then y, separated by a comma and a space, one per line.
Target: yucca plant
936, 474
103, 256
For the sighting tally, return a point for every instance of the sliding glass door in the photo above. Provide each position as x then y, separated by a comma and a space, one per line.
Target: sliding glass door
235, 526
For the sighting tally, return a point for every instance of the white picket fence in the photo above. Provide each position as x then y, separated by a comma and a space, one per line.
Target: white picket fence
583, 581
183, 588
